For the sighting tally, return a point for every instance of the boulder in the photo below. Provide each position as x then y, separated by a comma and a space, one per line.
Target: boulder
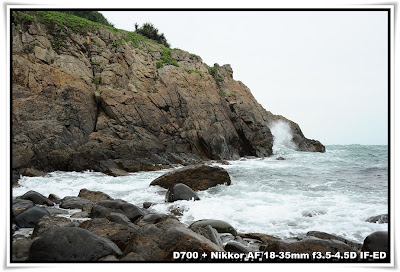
117, 233
37, 198
20, 249
151, 218
327, 236
94, 196
54, 198
65, 244
20, 205
218, 225
234, 246
308, 244
32, 172
55, 211
80, 215
105, 207
210, 233
132, 256
73, 202
180, 192
121, 219
30, 217
197, 177
377, 241
157, 242
380, 219
48, 222
147, 205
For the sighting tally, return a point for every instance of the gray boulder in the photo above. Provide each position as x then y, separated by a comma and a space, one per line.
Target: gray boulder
30, 217
20, 205
73, 202
65, 244
219, 225
37, 198
105, 207
180, 192
377, 241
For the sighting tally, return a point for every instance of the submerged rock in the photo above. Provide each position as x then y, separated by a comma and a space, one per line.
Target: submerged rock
66, 244
180, 192
380, 219
197, 177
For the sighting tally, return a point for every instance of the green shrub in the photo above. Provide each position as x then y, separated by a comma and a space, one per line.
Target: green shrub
97, 63
148, 30
219, 79
93, 16
159, 64
100, 91
22, 17
194, 71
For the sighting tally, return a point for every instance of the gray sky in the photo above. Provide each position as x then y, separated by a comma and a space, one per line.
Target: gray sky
326, 71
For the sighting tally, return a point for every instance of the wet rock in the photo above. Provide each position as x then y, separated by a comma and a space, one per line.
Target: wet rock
20, 205
308, 244
80, 215
210, 233
312, 213
380, 219
157, 242
94, 196
121, 219
37, 198
32, 172
233, 246
280, 159
65, 244
54, 198
105, 207
327, 236
376, 242
73, 202
180, 192
219, 225
55, 211
197, 177
147, 205
30, 217
151, 218
117, 233
48, 222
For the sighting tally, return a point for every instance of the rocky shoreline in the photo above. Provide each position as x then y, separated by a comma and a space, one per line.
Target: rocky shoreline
94, 227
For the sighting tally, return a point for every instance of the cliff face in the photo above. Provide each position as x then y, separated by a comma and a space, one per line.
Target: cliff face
98, 100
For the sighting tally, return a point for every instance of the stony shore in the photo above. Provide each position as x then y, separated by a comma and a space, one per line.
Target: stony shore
94, 227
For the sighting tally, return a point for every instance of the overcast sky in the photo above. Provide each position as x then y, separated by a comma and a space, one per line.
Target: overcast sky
326, 71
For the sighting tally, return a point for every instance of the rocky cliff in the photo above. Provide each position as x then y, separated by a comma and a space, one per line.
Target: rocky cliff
86, 96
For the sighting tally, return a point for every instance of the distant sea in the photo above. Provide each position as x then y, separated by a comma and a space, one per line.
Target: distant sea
333, 192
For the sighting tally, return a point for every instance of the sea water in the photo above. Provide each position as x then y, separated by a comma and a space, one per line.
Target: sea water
333, 192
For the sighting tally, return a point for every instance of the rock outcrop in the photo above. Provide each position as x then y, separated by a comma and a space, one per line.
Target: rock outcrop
106, 100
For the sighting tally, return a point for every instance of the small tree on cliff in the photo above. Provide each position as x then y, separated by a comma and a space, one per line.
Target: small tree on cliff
148, 30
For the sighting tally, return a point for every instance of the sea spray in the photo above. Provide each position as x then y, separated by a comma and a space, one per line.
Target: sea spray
283, 136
